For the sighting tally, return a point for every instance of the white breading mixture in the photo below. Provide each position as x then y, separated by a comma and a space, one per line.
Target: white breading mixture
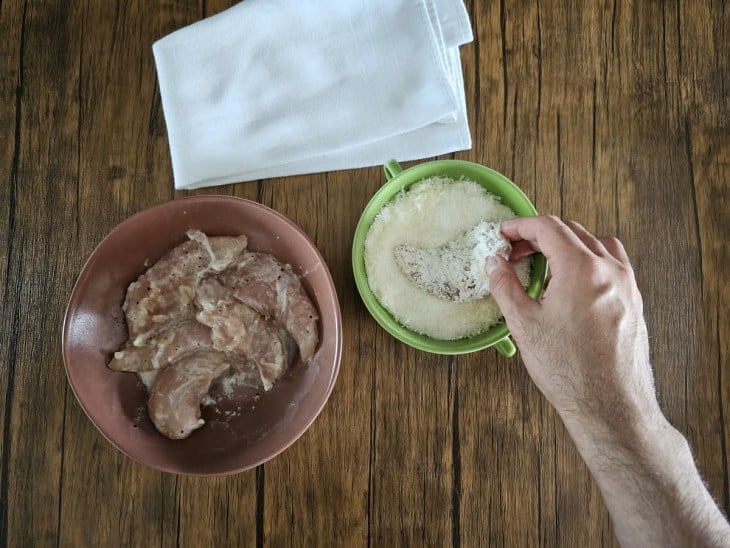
431, 213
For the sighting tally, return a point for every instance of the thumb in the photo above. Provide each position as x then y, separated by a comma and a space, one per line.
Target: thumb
507, 289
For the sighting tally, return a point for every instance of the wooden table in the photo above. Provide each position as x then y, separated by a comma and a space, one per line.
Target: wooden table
614, 113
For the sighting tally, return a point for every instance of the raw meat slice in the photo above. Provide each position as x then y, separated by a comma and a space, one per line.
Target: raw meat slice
238, 330
178, 341
174, 403
275, 291
164, 293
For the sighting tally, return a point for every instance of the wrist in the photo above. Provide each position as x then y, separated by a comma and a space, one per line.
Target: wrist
626, 435
651, 485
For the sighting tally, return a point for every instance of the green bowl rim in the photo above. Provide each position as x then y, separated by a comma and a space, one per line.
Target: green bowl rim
384, 318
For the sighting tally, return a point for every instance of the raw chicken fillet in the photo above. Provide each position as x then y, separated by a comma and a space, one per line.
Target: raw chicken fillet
455, 271
210, 308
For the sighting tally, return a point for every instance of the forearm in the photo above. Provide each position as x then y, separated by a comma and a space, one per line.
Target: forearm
651, 485
585, 344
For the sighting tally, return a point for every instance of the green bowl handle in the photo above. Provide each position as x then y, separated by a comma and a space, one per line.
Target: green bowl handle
391, 168
506, 347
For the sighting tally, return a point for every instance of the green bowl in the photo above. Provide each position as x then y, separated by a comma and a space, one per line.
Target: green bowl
398, 179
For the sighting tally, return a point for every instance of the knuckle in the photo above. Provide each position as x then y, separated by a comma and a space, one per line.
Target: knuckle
595, 268
614, 241
554, 220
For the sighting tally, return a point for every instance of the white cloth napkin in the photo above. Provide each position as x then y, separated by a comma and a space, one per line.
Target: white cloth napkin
271, 88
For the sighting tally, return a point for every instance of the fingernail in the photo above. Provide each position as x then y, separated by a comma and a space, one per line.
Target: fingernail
492, 263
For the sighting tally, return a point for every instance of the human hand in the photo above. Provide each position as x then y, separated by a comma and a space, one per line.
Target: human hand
584, 343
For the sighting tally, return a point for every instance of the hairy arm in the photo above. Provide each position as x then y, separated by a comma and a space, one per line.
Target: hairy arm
650, 483
585, 345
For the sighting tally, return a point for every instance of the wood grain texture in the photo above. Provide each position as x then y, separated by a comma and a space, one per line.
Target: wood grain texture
615, 113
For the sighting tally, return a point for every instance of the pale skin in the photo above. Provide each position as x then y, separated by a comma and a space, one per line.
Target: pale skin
585, 345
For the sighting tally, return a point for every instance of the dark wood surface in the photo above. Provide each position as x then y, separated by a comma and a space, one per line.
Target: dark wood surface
614, 113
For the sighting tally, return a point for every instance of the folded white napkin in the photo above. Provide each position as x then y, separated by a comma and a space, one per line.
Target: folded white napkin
270, 88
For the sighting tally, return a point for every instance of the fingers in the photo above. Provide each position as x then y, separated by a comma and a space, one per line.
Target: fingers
558, 240
588, 239
507, 289
520, 249
549, 235
616, 249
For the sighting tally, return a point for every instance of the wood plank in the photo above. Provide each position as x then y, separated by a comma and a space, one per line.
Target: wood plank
413, 444
11, 92
40, 239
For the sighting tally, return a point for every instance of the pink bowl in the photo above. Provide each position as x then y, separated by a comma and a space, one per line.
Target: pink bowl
241, 433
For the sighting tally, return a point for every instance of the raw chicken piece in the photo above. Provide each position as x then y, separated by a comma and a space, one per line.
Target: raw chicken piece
164, 293
238, 330
275, 291
177, 342
174, 403
187, 328
455, 271
211, 293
